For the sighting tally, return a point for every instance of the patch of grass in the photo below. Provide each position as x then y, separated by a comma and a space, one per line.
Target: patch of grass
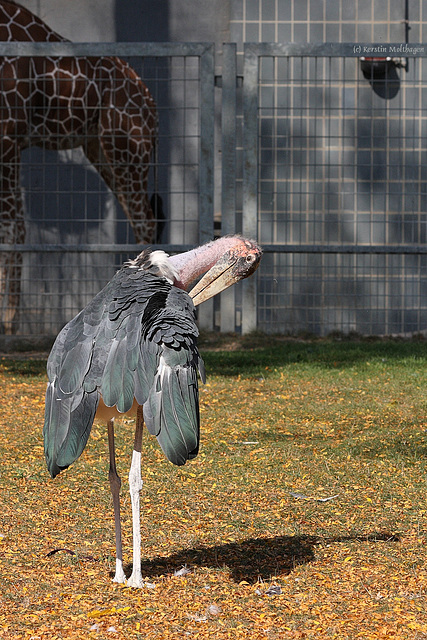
22, 366
248, 356
310, 478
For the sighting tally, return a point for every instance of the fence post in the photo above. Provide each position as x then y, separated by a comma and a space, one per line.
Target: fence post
250, 177
206, 164
228, 171
207, 151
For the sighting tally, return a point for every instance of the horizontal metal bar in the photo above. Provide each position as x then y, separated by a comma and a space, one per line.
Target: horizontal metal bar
163, 49
180, 248
345, 248
338, 49
151, 49
92, 248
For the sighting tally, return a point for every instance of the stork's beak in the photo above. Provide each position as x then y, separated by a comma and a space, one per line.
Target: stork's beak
229, 269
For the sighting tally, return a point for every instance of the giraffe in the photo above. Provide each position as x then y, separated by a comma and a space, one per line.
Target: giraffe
97, 103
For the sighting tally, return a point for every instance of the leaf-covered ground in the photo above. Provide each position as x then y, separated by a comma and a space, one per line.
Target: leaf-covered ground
304, 515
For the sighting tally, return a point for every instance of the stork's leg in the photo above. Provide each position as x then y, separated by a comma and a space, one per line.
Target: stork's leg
115, 484
135, 486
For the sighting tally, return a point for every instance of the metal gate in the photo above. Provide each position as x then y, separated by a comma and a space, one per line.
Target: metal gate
324, 166
334, 185
77, 234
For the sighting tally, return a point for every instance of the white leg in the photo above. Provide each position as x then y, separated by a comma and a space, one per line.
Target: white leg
135, 486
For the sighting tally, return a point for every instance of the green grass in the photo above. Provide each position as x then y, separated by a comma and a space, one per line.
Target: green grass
279, 417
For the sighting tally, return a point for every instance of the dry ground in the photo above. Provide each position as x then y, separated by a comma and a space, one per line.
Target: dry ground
304, 515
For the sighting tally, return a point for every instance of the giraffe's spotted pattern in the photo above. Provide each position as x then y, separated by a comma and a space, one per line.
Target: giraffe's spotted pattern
98, 103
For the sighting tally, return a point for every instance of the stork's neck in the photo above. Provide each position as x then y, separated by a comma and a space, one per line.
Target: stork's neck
192, 264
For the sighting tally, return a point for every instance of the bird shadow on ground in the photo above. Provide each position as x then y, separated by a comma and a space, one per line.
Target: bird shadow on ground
253, 559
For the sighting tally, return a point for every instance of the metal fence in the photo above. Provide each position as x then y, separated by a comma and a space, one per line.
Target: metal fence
338, 155
77, 234
326, 167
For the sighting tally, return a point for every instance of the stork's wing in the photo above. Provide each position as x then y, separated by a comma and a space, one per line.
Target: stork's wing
171, 409
69, 408
67, 426
136, 339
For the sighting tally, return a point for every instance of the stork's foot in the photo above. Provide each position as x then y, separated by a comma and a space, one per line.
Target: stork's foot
120, 574
135, 580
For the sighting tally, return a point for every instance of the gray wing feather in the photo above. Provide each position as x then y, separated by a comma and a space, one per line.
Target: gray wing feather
66, 427
113, 374
81, 420
171, 415
75, 366
171, 410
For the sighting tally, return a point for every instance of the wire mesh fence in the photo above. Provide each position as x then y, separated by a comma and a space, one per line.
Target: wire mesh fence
92, 155
322, 162
341, 202
370, 294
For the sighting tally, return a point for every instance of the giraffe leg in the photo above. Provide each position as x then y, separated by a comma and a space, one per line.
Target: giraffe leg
135, 486
127, 133
115, 484
127, 178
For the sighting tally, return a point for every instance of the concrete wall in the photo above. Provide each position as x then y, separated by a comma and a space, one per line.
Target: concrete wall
78, 20
135, 20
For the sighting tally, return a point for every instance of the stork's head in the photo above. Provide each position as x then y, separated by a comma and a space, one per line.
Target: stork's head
240, 260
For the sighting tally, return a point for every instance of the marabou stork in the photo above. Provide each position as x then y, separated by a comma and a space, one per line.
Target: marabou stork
133, 350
